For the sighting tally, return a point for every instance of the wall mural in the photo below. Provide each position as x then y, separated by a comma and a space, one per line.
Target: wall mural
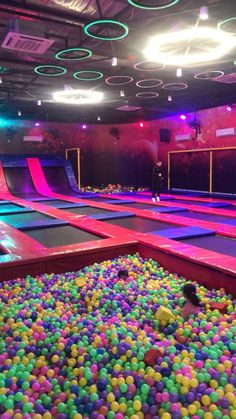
118, 154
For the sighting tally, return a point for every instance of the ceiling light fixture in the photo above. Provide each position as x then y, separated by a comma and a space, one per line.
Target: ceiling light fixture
96, 75
0, 80
229, 108
39, 102
84, 126
98, 118
138, 3
183, 117
169, 98
114, 61
105, 22
72, 54
158, 46
19, 113
203, 14
179, 72
36, 124
78, 97
122, 93
141, 124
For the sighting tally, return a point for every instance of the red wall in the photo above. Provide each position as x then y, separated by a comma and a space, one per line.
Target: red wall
105, 157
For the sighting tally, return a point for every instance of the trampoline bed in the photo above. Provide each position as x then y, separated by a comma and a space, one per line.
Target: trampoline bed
142, 225
61, 236
17, 220
219, 244
86, 210
209, 217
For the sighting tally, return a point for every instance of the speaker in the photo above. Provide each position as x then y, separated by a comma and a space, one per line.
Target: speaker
164, 135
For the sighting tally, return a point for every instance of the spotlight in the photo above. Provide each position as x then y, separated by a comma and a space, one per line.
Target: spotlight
36, 124
179, 72
19, 113
84, 126
98, 118
169, 98
203, 13
141, 124
183, 117
229, 108
114, 61
39, 102
0, 80
122, 93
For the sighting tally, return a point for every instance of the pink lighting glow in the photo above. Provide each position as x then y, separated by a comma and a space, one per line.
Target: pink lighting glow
229, 108
141, 124
36, 124
183, 117
84, 126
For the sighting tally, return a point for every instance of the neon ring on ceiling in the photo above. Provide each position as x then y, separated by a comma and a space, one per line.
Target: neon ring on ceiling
87, 54
61, 70
137, 66
224, 22
98, 75
147, 95
175, 86
105, 22
153, 83
138, 3
209, 75
160, 48
127, 80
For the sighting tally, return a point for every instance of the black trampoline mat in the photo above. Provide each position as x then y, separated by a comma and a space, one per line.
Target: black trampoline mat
209, 217
219, 244
28, 217
9, 207
54, 202
61, 236
142, 225
99, 198
86, 210
147, 206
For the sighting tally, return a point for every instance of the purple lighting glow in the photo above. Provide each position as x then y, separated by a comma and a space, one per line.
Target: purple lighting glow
183, 117
84, 126
36, 124
229, 108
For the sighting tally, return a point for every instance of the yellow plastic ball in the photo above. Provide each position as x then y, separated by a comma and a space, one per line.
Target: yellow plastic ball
192, 409
137, 405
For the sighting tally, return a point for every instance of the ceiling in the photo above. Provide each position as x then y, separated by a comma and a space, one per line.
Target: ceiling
63, 21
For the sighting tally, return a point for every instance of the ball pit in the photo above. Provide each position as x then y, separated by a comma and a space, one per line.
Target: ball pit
78, 352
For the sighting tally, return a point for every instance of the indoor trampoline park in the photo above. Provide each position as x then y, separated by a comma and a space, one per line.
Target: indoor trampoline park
117, 209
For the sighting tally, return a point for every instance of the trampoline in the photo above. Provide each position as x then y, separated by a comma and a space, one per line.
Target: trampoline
155, 208
24, 219
86, 210
61, 235
209, 217
142, 225
216, 243
11, 208
54, 202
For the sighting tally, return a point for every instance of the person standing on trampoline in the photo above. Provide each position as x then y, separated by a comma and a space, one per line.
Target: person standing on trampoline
157, 179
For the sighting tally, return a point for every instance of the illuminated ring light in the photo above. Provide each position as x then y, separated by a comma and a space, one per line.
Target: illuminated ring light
106, 21
135, 3
158, 45
127, 80
224, 22
137, 66
87, 54
78, 97
209, 75
153, 83
98, 76
147, 95
175, 86
61, 70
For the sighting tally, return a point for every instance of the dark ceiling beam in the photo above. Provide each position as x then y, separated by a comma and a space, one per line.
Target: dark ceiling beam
38, 11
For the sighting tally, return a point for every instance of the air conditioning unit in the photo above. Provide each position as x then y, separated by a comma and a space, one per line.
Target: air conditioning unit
226, 132
183, 137
26, 36
32, 139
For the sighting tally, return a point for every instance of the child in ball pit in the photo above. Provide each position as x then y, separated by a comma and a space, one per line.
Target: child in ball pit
123, 274
193, 304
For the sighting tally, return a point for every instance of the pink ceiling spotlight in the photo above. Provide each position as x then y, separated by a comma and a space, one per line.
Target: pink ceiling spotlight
229, 108
141, 124
84, 126
183, 117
